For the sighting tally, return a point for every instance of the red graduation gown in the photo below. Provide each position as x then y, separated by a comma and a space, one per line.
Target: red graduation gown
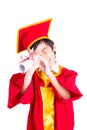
64, 114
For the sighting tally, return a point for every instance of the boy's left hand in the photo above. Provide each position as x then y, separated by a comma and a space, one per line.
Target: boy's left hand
44, 65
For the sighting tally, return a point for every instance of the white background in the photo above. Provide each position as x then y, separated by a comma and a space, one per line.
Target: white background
68, 30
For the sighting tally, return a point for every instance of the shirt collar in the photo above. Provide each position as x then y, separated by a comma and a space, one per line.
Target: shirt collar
55, 68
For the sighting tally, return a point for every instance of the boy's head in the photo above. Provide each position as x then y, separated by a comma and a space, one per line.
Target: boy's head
45, 48
36, 36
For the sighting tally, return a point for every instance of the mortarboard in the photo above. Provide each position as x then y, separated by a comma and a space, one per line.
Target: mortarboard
27, 36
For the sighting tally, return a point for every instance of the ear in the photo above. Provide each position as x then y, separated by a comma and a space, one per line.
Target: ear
54, 48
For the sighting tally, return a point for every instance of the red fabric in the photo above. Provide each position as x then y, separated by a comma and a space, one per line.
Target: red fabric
27, 35
64, 115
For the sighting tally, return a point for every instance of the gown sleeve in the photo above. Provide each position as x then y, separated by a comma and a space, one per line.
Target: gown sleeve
15, 86
67, 79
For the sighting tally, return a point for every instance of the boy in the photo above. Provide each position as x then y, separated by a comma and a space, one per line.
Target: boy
50, 89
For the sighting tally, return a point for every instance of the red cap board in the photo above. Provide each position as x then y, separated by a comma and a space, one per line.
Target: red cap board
27, 36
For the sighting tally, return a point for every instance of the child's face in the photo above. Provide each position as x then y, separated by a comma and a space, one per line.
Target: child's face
46, 51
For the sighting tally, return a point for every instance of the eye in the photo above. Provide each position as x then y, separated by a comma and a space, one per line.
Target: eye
45, 51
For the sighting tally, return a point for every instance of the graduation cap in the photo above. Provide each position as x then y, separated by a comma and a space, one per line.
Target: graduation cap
27, 36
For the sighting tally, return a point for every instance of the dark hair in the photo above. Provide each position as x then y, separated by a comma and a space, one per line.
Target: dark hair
46, 41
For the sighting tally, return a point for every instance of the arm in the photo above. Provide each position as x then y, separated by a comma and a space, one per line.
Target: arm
15, 87
63, 92
67, 79
29, 74
18, 84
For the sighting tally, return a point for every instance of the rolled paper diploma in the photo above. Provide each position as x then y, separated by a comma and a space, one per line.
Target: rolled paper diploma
25, 65
25, 60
